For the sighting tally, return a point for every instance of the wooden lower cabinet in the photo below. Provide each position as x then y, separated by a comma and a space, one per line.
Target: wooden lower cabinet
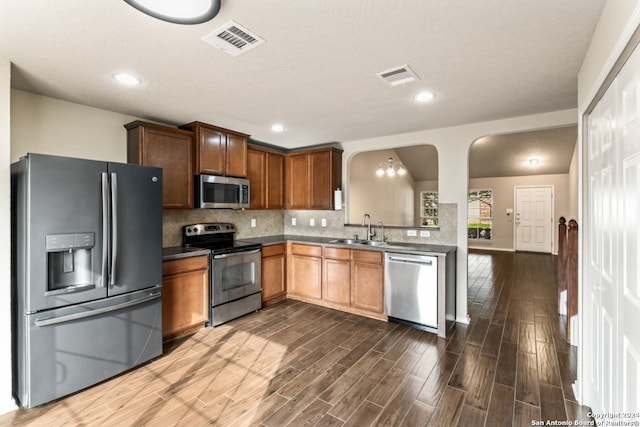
304, 271
336, 273
274, 273
345, 279
367, 281
185, 295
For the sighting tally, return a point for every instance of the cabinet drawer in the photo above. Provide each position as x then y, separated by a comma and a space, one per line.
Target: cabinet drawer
373, 257
337, 253
272, 250
307, 250
177, 266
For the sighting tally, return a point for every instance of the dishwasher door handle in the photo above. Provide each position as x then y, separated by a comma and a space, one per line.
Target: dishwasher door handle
411, 261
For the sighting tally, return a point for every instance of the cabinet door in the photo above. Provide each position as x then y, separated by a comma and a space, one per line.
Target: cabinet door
297, 181
275, 181
320, 180
256, 165
171, 150
211, 153
236, 156
273, 273
305, 276
336, 281
185, 294
367, 291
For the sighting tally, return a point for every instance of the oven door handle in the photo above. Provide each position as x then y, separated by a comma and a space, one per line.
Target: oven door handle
256, 251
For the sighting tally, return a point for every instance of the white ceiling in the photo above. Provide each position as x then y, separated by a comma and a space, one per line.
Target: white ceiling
316, 73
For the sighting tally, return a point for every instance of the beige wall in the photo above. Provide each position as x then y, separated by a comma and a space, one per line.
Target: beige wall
504, 197
49, 126
386, 199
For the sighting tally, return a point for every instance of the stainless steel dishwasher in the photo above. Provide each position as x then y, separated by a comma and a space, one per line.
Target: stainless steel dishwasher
411, 289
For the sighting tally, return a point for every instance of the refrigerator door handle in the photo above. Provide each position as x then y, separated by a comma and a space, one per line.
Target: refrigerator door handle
114, 227
76, 316
105, 229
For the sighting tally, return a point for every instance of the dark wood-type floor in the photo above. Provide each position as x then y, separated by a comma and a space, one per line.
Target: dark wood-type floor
298, 364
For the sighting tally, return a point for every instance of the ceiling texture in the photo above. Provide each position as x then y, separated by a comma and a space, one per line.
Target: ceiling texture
316, 73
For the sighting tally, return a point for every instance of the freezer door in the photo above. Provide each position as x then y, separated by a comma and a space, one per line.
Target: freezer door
69, 349
136, 228
58, 226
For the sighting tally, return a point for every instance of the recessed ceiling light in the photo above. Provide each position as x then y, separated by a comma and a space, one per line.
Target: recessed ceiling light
424, 96
127, 79
178, 12
277, 127
534, 162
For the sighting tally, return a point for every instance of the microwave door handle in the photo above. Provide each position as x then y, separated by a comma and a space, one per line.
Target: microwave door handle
114, 227
105, 229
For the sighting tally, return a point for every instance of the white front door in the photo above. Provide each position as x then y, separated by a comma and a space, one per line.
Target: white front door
534, 219
611, 270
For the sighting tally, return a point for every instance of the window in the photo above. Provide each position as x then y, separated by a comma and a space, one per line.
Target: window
428, 208
480, 214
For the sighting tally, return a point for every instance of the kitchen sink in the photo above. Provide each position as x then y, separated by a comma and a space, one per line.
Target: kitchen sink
374, 243
348, 241
359, 242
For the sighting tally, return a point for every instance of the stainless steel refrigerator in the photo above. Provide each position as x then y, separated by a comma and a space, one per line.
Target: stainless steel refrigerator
86, 273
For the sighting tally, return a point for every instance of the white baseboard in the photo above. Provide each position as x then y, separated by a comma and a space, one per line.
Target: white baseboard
562, 304
575, 332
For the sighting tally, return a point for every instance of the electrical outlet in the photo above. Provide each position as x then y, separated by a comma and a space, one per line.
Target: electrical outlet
425, 233
312, 222
324, 222
294, 221
253, 222
412, 233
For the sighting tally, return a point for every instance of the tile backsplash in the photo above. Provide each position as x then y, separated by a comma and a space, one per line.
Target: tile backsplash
270, 223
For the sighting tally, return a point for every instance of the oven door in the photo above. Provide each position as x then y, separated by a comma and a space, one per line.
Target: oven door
235, 276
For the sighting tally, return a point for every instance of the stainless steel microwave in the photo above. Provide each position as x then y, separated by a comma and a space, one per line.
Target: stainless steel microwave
214, 192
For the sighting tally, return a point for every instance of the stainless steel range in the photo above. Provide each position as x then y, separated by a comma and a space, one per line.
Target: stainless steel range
235, 277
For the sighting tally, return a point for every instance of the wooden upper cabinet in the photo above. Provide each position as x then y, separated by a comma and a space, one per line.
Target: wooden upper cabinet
312, 176
275, 180
257, 174
218, 151
210, 151
170, 149
236, 155
265, 170
297, 182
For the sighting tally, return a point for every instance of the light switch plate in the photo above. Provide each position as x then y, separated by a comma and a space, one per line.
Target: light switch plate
425, 233
412, 233
312, 222
253, 222
323, 222
293, 221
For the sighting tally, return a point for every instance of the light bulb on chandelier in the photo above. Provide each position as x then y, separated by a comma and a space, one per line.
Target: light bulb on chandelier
391, 168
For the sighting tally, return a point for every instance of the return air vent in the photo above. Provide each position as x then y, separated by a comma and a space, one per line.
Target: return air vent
234, 39
399, 75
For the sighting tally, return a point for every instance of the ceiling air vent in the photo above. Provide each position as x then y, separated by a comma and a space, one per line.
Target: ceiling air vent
233, 38
399, 75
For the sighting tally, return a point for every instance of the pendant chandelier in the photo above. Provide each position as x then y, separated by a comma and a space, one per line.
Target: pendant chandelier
391, 168
178, 12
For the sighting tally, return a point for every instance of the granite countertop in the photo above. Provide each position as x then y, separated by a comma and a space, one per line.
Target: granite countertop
390, 246
177, 252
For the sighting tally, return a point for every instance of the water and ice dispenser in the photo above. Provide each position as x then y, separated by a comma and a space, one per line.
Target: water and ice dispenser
69, 261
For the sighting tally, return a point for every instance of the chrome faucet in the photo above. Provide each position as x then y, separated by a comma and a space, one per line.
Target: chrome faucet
381, 227
370, 232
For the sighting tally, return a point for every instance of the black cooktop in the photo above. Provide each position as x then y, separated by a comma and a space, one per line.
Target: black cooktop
217, 237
